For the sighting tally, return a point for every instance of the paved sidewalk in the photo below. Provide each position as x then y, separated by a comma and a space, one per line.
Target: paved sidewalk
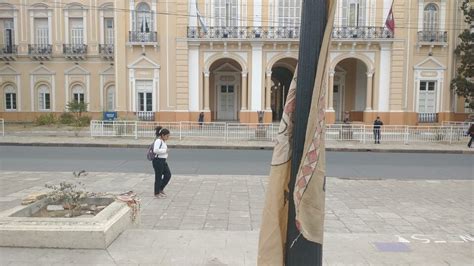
214, 220
60, 140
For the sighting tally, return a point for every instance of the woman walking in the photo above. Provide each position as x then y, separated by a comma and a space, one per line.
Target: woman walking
162, 170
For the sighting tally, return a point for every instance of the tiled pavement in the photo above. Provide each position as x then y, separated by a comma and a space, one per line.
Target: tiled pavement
214, 220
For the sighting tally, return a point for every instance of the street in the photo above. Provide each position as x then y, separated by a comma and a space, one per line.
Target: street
353, 165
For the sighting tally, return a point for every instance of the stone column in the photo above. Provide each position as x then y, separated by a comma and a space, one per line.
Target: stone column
331, 90
244, 91
206, 90
368, 101
268, 92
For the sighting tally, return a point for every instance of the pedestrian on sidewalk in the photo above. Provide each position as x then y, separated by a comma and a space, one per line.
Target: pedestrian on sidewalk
377, 128
470, 133
201, 118
162, 170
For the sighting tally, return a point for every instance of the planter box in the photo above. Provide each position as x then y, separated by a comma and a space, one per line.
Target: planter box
19, 229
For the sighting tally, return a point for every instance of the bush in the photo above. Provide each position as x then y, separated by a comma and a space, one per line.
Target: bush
84, 121
66, 118
45, 119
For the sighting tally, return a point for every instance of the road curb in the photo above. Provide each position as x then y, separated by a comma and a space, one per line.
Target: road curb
228, 147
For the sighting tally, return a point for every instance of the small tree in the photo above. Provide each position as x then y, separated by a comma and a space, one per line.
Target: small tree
462, 84
77, 108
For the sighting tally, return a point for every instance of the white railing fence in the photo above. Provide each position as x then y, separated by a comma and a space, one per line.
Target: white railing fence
2, 125
268, 132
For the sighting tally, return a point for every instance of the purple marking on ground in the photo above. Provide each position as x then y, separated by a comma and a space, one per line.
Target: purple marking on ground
392, 247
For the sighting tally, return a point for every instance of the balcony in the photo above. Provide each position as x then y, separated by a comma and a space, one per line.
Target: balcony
363, 33
106, 51
142, 38
40, 51
244, 33
432, 38
8, 52
75, 51
427, 118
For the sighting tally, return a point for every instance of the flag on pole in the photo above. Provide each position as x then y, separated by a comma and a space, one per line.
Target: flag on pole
201, 21
309, 192
390, 22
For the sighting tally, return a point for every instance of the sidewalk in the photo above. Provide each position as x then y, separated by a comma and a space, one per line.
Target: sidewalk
214, 220
54, 138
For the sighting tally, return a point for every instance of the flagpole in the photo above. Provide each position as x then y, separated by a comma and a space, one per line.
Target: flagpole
300, 251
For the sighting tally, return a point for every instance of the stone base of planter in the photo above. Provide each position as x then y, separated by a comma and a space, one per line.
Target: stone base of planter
17, 229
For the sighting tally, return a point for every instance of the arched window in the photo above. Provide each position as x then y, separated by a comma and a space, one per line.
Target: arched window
430, 18
226, 13
10, 98
44, 98
144, 18
110, 101
78, 94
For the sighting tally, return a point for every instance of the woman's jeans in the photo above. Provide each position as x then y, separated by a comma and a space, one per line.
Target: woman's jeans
162, 174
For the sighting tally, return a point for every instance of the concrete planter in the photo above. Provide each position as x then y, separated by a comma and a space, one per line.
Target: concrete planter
19, 229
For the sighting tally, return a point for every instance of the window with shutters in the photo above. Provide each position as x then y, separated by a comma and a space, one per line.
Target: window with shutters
109, 30
10, 98
288, 13
41, 31
78, 94
76, 30
6, 33
430, 18
354, 13
143, 18
44, 98
226, 13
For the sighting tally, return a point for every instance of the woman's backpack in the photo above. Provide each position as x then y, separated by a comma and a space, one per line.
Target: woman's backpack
150, 155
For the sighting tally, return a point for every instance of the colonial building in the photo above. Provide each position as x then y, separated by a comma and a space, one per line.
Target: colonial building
171, 60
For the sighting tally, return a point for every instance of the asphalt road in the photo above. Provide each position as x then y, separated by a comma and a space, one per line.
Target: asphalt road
358, 165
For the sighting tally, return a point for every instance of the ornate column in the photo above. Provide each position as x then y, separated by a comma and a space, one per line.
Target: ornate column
268, 92
331, 90
368, 100
206, 90
244, 91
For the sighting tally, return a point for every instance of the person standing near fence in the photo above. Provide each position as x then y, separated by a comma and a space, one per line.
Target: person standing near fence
162, 170
201, 119
470, 133
377, 128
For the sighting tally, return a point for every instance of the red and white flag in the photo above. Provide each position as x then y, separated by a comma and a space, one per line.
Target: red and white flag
390, 22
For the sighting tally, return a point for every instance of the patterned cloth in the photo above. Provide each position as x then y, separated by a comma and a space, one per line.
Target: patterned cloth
309, 192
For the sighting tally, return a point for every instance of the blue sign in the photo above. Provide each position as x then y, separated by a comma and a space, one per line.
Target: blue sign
110, 116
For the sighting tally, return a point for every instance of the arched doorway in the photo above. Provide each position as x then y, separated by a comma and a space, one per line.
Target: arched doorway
349, 92
225, 89
282, 74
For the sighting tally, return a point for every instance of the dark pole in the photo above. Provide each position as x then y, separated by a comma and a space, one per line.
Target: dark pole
313, 24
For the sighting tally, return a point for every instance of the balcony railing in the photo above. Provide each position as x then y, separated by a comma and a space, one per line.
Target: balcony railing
40, 51
433, 36
361, 33
224, 32
146, 116
106, 50
427, 117
142, 37
74, 50
8, 52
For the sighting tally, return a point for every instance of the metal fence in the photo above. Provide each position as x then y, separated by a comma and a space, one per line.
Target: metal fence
268, 132
2, 125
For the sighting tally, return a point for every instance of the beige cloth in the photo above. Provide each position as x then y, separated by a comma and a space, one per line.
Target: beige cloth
309, 194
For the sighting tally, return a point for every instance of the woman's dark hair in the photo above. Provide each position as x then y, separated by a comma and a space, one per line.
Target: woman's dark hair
160, 131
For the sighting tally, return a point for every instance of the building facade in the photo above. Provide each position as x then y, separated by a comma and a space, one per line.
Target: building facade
170, 60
